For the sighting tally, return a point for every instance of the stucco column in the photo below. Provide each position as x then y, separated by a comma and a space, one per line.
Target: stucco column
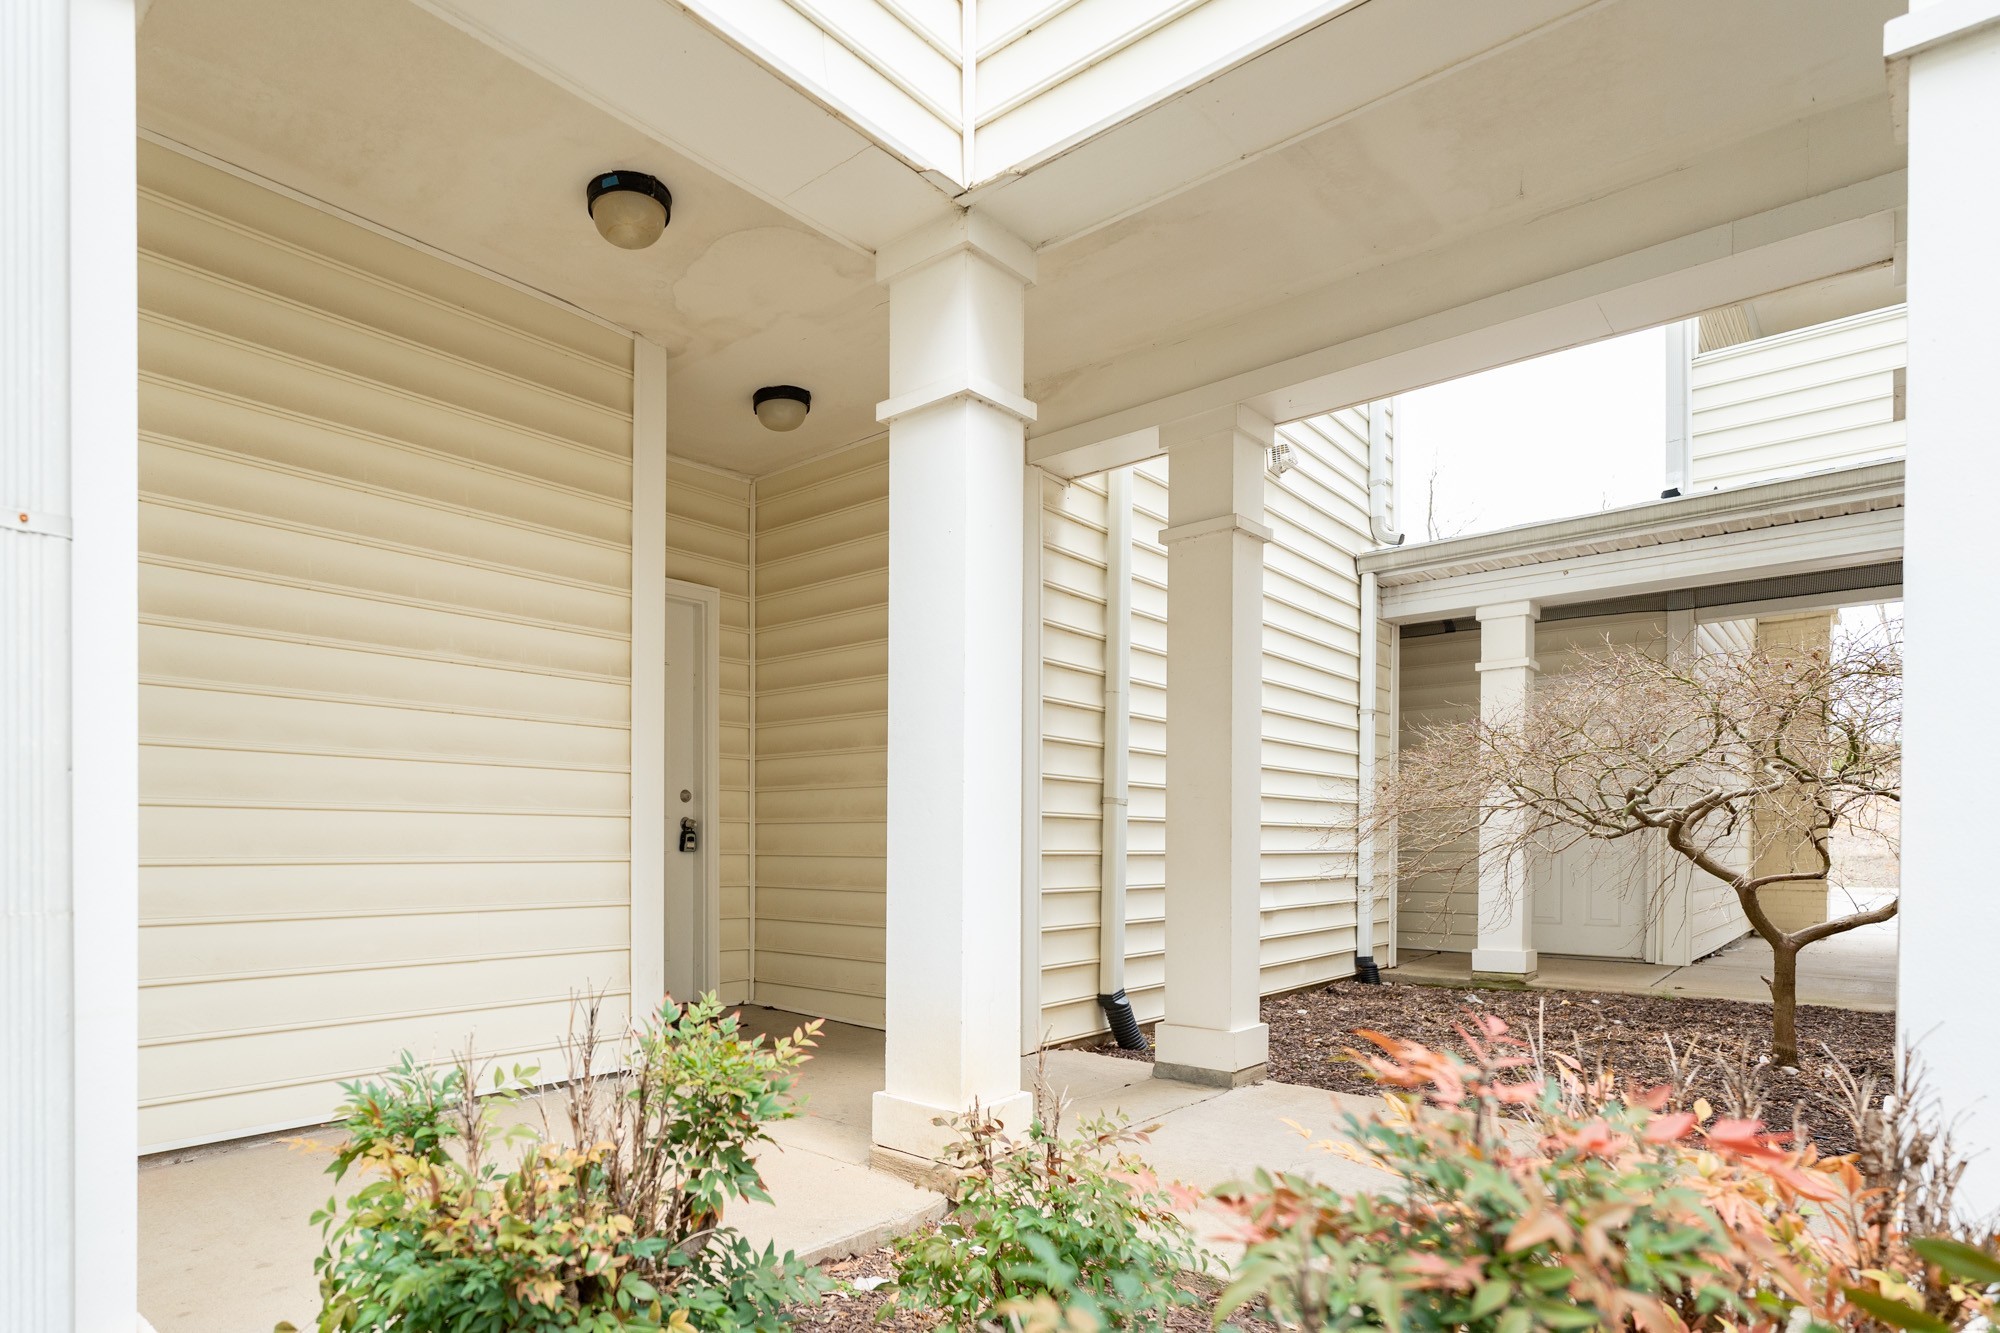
1215, 539
1507, 667
69, 623
1951, 915
957, 470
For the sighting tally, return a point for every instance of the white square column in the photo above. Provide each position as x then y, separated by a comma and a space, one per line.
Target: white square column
1950, 915
957, 472
1215, 538
1507, 670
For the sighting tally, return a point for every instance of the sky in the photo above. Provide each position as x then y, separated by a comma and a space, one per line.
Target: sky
1566, 434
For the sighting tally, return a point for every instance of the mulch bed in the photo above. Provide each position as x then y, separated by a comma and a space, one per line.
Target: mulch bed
1311, 1031
851, 1309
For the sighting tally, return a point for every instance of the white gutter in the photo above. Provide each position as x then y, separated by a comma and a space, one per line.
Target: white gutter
1381, 528
1117, 728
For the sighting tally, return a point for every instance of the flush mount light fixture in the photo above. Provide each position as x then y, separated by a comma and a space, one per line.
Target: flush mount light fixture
630, 208
781, 406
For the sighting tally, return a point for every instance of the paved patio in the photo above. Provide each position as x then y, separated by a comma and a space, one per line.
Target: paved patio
1856, 970
225, 1245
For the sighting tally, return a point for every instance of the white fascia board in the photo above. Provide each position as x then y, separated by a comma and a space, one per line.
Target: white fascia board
1932, 25
1842, 230
1774, 530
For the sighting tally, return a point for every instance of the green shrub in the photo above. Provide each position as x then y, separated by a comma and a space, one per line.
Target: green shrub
617, 1230
1069, 1222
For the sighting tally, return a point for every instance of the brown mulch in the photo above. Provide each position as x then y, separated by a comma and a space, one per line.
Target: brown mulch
1311, 1030
848, 1309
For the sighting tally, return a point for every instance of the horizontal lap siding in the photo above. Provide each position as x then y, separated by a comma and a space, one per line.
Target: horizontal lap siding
1146, 809
708, 542
385, 646
1436, 685
1073, 735
1318, 515
1715, 915
822, 710
1311, 718
1799, 402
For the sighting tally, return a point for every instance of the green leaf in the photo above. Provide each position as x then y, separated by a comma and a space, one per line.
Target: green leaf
1490, 1297
1959, 1259
1894, 1313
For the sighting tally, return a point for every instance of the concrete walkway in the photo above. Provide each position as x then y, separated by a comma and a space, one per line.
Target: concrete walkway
225, 1245
1855, 970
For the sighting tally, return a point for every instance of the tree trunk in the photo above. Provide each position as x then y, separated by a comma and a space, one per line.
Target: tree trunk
1784, 1004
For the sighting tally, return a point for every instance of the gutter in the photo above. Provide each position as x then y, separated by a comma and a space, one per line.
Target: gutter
1862, 488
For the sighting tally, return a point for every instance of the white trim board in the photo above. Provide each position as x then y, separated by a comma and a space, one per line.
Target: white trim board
708, 926
647, 941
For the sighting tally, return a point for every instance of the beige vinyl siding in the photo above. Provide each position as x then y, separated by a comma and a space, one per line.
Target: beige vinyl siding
384, 658
1388, 688
1318, 515
708, 543
1146, 809
1799, 402
1310, 725
822, 710
1436, 685
1715, 916
1072, 747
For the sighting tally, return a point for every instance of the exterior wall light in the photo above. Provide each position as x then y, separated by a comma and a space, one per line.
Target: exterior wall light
630, 208
781, 406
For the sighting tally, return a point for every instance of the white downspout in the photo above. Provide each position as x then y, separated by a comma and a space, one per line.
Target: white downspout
1381, 528
1117, 754
1683, 340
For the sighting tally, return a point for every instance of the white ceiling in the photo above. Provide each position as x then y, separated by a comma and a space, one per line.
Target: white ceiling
1402, 156
387, 111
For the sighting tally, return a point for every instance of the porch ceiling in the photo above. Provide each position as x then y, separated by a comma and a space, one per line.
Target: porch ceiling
382, 109
1403, 159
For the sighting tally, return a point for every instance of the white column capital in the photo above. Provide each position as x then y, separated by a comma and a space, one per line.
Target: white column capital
1510, 611
956, 322
966, 231
1928, 26
1208, 527
1216, 479
1242, 420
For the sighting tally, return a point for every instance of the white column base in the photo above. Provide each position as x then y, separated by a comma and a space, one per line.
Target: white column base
1211, 1056
911, 1128
1522, 963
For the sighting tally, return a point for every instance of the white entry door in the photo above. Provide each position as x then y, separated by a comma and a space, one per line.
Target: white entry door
691, 890
1591, 900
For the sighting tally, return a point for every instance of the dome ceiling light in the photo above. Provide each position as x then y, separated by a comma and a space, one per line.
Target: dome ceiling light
630, 208
781, 407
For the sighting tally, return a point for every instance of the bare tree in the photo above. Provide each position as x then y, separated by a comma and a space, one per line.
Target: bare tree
1441, 527
1683, 747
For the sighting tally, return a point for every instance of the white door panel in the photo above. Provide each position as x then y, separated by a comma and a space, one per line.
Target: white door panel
1590, 899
